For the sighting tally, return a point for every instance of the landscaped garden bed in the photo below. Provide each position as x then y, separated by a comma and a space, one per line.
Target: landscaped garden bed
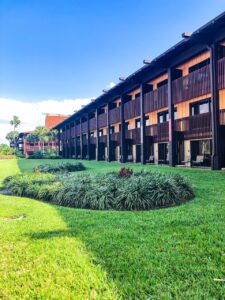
113, 191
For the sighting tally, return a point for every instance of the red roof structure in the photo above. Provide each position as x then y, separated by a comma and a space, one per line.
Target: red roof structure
53, 120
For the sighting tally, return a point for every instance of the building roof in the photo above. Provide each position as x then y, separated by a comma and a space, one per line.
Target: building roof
52, 120
199, 41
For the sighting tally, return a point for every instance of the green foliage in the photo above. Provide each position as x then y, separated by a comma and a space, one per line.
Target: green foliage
60, 167
5, 150
15, 122
143, 191
12, 135
19, 154
36, 155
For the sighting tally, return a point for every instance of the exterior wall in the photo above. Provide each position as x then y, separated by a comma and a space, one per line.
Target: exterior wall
157, 80
222, 99
197, 59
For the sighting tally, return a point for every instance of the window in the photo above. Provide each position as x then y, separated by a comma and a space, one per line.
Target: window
112, 130
175, 113
146, 121
127, 126
200, 107
137, 123
199, 65
137, 96
92, 134
163, 116
100, 133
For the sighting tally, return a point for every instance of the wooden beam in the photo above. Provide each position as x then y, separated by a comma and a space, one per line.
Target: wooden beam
97, 136
172, 154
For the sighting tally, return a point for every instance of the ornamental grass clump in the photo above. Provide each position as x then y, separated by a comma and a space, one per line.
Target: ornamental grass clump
61, 167
139, 191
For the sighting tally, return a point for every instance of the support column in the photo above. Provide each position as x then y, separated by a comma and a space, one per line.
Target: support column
59, 140
88, 138
81, 140
122, 131
66, 143
172, 141
108, 136
97, 136
69, 144
75, 141
143, 137
216, 149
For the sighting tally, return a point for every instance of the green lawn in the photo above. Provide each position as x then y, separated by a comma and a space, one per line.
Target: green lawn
65, 253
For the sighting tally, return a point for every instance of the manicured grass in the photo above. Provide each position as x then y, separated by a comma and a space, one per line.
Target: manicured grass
64, 253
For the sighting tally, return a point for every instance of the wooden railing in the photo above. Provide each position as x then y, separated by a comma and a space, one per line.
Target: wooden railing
115, 137
78, 130
134, 135
92, 140
132, 109
92, 124
159, 132
222, 117
102, 120
198, 126
114, 115
84, 127
221, 73
103, 139
73, 132
156, 99
37, 146
192, 85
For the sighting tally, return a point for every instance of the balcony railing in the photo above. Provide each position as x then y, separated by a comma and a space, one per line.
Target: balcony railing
198, 126
132, 108
221, 73
115, 137
192, 85
159, 132
92, 124
103, 139
102, 120
78, 130
84, 127
114, 115
134, 135
92, 140
156, 99
222, 117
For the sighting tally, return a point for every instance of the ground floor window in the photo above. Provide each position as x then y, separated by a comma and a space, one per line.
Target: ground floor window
201, 151
163, 153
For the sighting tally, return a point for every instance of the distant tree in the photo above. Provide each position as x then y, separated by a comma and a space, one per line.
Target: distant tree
5, 150
15, 122
32, 138
12, 135
43, 135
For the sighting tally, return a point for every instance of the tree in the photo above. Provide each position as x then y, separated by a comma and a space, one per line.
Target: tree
15, 122
5, 150
43, 134
12, 135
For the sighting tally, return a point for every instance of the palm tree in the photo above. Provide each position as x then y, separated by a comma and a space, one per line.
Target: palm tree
43, 133
15, 122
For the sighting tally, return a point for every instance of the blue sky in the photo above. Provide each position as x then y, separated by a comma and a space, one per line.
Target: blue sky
57, 49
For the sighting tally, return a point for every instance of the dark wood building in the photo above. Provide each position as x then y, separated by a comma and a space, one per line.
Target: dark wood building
171, 111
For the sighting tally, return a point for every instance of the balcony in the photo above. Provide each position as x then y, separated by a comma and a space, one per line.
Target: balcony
132, 109
78, 130
115, 137
114, 115
102, 120
84, 127
221, 73
156, 99
159, 132
134, 135
92, 124
195, 127
103, 139
222, 117
192, 85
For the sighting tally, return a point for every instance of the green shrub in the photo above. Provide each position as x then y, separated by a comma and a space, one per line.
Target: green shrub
141, 191
61, 167
36, 155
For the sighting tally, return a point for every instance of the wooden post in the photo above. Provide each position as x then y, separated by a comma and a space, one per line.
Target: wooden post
108, 135
143, 137
97, 136
75, 141
216, 149
69, 144
88, 138
172, 142
66, 143
122, 131
81, 140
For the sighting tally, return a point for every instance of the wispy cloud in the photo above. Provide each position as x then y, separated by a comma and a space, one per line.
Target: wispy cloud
31, 114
